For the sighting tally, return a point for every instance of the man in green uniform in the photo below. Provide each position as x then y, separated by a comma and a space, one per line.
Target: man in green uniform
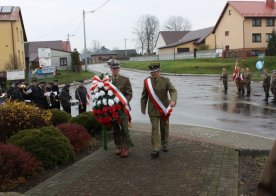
247, 81
273, 86
157, 98
123, 85
224, 78
266, 84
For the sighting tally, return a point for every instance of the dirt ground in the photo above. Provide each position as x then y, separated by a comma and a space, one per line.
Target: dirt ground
250, 168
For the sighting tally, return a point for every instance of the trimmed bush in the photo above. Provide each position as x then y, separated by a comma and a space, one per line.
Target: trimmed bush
47, 144
16, 116
16, 166
59, 117
88, 120
77, 135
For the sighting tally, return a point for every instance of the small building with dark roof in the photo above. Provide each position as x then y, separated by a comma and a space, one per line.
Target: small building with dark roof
189, 42
104, 54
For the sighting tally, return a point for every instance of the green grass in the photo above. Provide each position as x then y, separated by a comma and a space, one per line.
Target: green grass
206, 66
68, 77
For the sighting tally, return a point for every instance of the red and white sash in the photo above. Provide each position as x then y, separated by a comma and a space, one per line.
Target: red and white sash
165, 112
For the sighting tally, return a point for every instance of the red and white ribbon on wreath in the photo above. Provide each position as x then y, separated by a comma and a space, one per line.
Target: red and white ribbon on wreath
165, 112
106, 82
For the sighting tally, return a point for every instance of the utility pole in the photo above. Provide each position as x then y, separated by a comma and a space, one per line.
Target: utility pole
125, 49
84, 36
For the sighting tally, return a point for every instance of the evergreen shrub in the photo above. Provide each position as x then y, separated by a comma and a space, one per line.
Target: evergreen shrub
47, 144
88, 120
59, 117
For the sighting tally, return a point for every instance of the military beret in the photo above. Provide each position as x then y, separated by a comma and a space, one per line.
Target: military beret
154, 67
114, 64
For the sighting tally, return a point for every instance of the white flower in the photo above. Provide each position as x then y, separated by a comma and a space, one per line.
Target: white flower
100, 84
110, 102
102, 93
99, 102
93, 97
96, 90
94, 104
97, 95
116, 99
106, 88
110, 93
105, 101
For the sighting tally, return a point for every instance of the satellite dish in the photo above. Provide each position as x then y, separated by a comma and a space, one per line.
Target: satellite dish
259, 65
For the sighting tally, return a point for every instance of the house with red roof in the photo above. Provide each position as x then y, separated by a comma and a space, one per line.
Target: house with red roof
244, 27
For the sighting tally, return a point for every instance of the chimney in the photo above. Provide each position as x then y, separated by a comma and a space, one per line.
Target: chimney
270, 4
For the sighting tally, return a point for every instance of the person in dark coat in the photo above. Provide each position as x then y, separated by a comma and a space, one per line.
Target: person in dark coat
65, 98
40, 98
81, 95
54, 95
273, 86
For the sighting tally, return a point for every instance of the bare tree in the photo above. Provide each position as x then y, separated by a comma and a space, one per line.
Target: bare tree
146, 32
178, 23
95, 46
140, 39
13, 63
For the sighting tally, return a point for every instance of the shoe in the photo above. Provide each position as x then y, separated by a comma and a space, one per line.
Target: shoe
118, 151
165, 148
154, 153
124, 153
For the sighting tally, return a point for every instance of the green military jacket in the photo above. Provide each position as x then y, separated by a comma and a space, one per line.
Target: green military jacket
162, 87
124, 86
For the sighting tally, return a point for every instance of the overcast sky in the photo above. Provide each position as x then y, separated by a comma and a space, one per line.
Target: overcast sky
110, 24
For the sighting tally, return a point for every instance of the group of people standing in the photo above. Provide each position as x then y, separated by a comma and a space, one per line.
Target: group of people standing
243, 80
45, 95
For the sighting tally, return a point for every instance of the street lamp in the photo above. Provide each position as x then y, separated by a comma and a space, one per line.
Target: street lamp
84, 36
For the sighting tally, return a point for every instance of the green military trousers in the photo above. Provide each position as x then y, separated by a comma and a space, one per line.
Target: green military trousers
156, 122
120, 139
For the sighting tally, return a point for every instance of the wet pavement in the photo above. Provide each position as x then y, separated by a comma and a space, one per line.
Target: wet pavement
201, 160
201, 102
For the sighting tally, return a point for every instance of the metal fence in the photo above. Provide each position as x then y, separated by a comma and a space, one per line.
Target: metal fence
183, 55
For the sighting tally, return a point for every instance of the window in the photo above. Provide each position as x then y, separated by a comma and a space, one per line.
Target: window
268, 36
63, 61
227, 47
229, 12
256, 37
17, 34
270, 22
183, 50
226, 33
256, 22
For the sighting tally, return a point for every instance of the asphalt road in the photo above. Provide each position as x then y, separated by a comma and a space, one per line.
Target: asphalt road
201, 102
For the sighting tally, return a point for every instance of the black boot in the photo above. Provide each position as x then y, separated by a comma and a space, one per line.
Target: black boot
248, 94
225, 90
266, 98
242, 95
